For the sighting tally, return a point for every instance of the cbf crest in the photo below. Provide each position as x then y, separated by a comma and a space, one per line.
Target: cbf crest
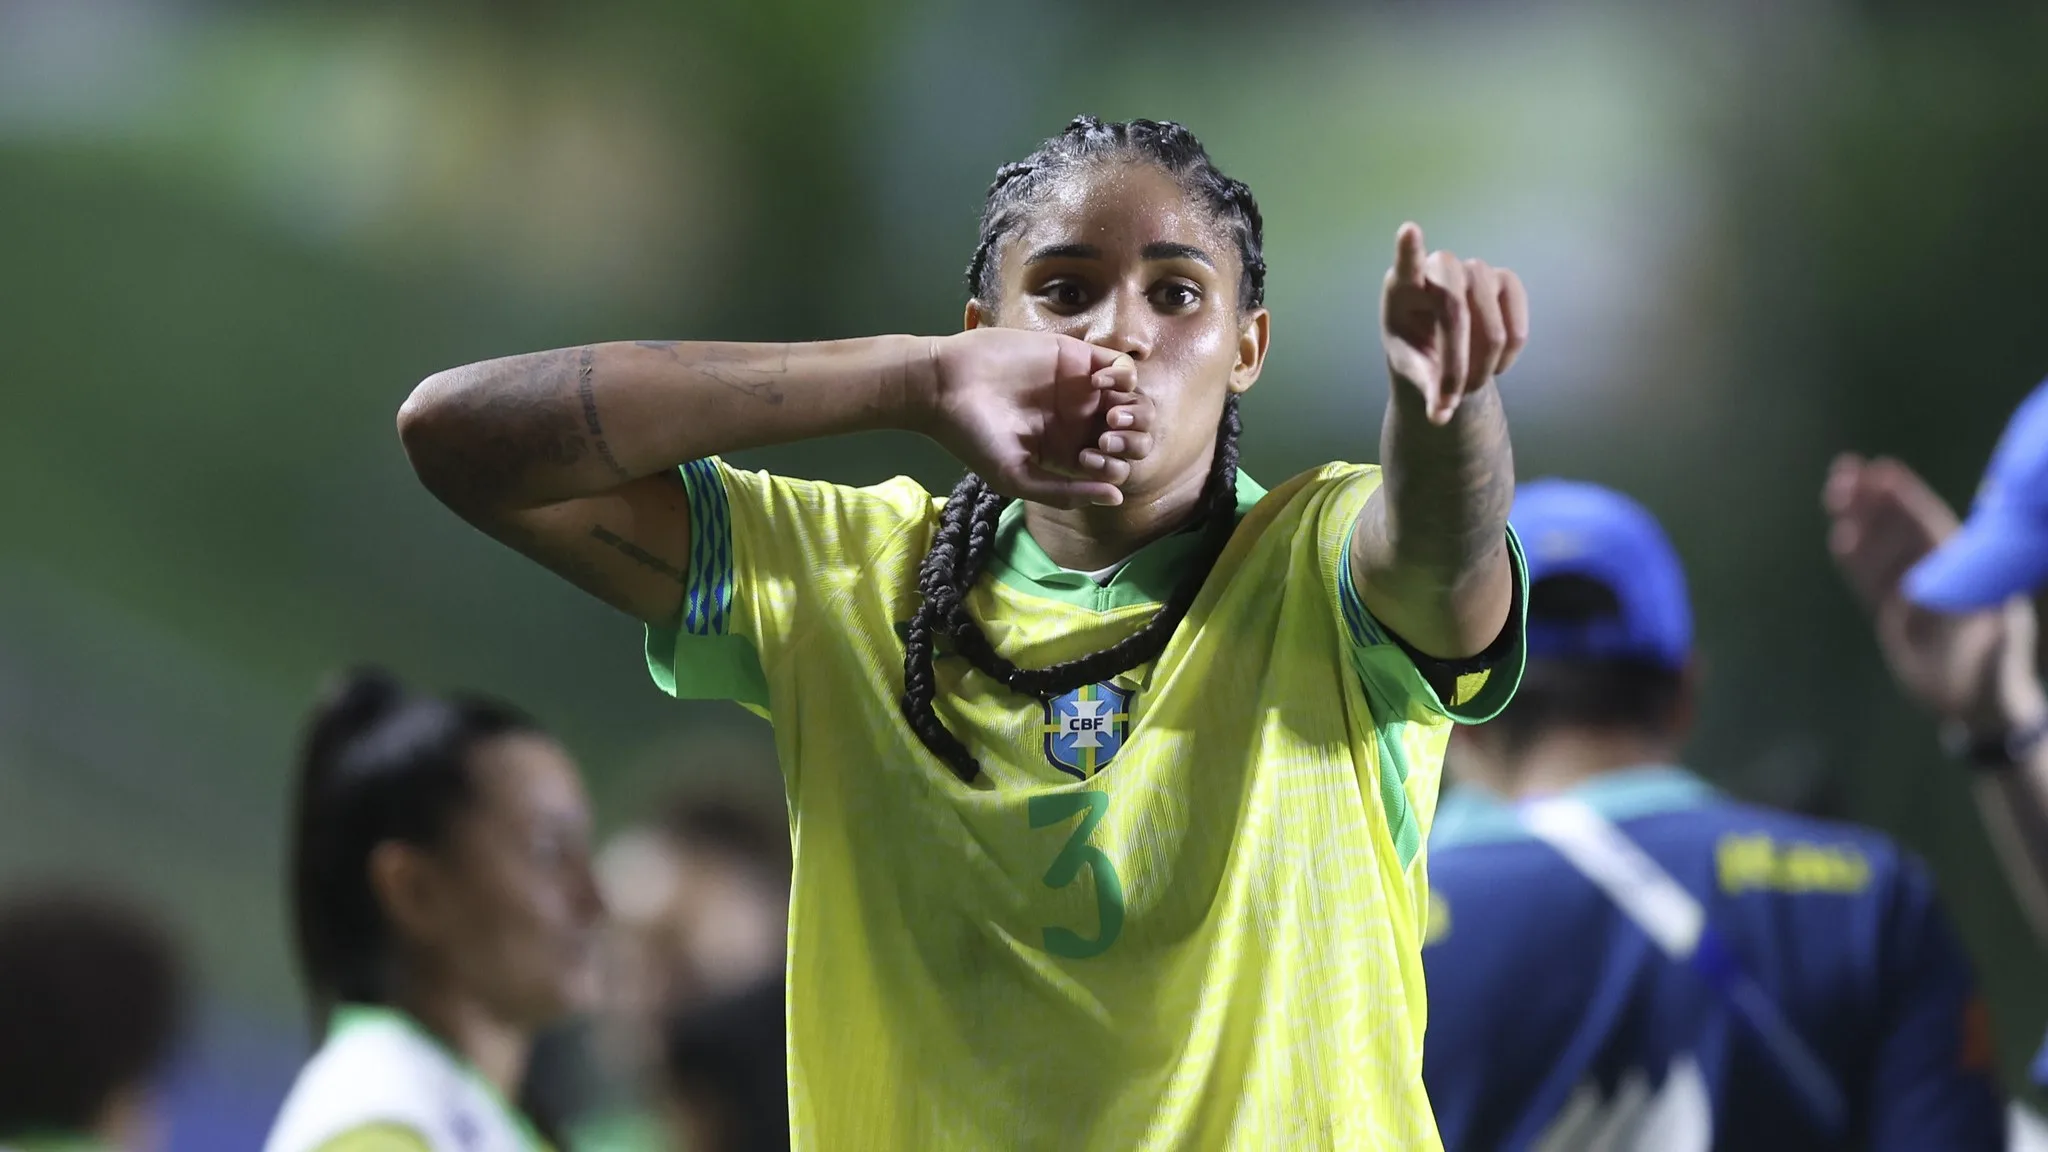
1085, 729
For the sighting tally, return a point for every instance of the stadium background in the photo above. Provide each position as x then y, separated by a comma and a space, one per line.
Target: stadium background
233, 235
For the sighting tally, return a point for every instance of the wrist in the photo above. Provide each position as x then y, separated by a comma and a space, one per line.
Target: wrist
1994, 750
914, 405
2002, 734
2014, 705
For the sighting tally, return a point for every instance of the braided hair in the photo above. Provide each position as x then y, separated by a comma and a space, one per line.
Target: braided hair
967, 525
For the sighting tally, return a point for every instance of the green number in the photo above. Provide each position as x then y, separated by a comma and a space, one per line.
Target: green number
1066, 868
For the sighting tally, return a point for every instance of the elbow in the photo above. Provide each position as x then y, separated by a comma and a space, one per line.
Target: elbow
423, 412
429, 429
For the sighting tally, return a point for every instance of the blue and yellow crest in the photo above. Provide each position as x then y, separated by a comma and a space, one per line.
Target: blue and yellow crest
1085, 728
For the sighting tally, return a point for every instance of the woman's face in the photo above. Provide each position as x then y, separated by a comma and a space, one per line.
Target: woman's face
1118, 254
517, 909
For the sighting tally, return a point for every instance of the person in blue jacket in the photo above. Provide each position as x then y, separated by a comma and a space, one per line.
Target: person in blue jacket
1619, 956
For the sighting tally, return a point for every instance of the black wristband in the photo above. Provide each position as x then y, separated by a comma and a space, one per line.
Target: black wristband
1996, 751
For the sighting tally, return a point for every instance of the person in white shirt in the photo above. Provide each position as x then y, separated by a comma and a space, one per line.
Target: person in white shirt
444, 910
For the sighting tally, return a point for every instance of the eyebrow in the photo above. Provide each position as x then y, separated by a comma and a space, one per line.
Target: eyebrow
1166, 250
1158, 250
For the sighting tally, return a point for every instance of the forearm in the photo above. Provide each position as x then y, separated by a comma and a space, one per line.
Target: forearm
526, 431
2014, 807
1430, 554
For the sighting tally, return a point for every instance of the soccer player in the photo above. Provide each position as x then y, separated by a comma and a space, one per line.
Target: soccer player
444, 912
1109, 772
1957, 628
92, 997
1622, 957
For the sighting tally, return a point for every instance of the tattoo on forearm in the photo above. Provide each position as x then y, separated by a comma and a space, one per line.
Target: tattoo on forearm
738, 367
1449, 489
586, 391
637, 554
743, 371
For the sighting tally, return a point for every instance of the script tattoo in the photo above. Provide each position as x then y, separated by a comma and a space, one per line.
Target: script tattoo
637, 554
587, 393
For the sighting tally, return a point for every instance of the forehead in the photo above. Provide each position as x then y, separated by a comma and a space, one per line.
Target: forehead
525, 777
1120, 204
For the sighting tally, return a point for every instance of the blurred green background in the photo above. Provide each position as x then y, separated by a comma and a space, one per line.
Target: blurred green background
233, 236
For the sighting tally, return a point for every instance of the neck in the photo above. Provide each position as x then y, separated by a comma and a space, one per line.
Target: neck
1563, 759
1095, 537
495, 1047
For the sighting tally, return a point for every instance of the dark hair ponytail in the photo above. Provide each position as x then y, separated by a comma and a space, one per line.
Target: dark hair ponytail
966, 534
377, 764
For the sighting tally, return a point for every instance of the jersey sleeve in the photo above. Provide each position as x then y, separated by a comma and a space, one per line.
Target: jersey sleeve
1413, 698
1396, 676
378, 1137
1934, 1074
769, 557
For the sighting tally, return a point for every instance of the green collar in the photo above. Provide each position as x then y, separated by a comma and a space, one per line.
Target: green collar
1469, 815
1146, 578
351, 1017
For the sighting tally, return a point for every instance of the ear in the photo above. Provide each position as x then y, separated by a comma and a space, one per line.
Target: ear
408, 888
1252, 340
976, 317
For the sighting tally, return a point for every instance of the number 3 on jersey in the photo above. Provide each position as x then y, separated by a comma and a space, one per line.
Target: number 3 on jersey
1066, 868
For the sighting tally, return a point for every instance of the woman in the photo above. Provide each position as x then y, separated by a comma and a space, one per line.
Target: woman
1109, 772
444, 912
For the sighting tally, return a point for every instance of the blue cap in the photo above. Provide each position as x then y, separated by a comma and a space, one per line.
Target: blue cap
2002, 550
1570, 528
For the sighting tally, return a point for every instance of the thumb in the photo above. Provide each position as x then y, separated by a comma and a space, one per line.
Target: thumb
1411, 365
1100, 357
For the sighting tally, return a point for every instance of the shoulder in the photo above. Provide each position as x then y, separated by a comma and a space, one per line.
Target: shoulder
900, 497
1324, 482
371, 1077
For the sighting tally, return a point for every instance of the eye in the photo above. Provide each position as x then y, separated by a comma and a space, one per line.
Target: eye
1064, 295
1176, 296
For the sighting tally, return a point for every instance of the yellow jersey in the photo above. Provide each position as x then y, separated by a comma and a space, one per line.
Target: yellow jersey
1182, 909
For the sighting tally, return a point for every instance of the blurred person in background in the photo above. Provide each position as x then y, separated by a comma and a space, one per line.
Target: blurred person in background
725, 1085
699, 902
1954, 619
1621, 957
444, 912
701, 895
92, 1000
994, 942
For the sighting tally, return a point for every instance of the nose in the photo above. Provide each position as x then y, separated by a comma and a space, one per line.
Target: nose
1123, 324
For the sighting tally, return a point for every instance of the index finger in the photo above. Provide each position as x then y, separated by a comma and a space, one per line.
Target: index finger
1100, 358
1078, 358
1409, 255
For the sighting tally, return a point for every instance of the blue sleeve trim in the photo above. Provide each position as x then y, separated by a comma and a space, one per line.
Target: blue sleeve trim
707, 600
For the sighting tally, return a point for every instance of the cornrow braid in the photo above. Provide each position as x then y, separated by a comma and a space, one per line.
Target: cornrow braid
965, 539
